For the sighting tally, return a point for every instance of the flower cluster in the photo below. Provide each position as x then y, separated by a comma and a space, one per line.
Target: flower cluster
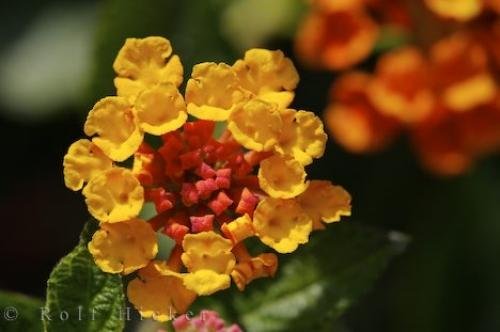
443, 93
210, 194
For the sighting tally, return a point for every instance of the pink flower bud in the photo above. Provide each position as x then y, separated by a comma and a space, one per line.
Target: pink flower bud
202, 223
220, 203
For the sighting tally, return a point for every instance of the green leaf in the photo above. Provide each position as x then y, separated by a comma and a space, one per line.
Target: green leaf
391, 37
318, 282
20, 313
80, 297
88, 231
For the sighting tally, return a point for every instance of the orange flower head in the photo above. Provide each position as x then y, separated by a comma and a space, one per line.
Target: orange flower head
461, 74
353, 120
443, 92
400, 87
336, 39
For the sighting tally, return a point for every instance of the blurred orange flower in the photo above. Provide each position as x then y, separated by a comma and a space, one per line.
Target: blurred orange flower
448, 102
442, 92
353, 119
339, 34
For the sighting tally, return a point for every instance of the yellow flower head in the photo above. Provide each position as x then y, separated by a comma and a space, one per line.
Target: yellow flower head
115, 125
143, 63
83, 161
209, 260
323, 201
269, 75
123, 247
303, 136
282, 177
213, 91
256, 125
210, 194
114, 195
159, 296
282, 224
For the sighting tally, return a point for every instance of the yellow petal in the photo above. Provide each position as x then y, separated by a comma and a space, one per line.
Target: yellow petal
160, 109
282, 224
115, 195
158, 296
206, 242
256, 125
323, 201
206, 282
239, 229
303, 136
461, 10
207, 251
282, 177
264, 265
117, 132
123, 247
466, 95
202, 282
282, 99
264, 71
212, 91
82, 162
143, 63
220, 263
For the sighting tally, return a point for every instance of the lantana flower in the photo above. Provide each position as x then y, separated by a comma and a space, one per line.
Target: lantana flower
447, 100
336, 35
441, 89
210, 193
